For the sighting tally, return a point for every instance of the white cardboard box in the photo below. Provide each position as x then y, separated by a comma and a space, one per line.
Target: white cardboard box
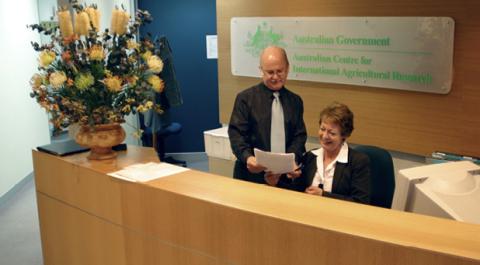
217, 144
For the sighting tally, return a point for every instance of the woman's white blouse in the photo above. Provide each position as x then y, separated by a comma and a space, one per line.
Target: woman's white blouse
325, 175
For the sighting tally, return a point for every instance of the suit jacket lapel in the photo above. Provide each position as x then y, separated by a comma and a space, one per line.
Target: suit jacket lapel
339, 168
311, 170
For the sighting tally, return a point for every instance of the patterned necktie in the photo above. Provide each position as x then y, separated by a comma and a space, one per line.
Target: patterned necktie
277, 136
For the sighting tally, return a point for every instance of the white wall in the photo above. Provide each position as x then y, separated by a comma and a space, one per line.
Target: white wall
23, 124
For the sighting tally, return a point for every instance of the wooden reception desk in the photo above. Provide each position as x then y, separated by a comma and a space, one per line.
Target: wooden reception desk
87, 217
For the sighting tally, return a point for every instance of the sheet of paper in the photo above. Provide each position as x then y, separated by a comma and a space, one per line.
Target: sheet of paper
146, 172
276, 162
212, 52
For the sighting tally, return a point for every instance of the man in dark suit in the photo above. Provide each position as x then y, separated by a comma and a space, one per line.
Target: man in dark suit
252, 126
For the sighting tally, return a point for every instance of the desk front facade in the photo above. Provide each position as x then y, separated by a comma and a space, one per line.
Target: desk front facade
88, 217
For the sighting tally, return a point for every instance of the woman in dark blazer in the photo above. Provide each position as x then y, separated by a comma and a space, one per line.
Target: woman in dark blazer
336, 170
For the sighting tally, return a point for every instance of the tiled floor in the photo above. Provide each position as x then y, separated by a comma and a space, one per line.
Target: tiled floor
19, 229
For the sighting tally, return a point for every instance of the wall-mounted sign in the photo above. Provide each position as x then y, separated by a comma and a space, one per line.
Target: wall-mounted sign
212, 51
409, 53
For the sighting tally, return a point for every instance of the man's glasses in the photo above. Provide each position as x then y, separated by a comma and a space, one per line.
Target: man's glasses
271, 73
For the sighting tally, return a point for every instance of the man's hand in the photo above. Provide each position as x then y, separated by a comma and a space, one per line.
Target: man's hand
296, 173
252, 165
314, 190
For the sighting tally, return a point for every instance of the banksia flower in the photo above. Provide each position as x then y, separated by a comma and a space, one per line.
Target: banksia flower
82, 23
65, 23
119, 22
94, 15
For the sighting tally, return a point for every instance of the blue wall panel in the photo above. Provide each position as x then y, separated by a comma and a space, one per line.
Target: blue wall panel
186, 23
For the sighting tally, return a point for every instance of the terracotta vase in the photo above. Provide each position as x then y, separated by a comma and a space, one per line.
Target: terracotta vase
100, 139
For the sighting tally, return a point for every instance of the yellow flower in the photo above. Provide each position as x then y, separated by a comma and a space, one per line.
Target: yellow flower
57, 79
132, 58
96, 53
146, 55
132, 44
114, 83
148, 44
156, 83
84, 81
149, 104
141, 108
126, 109
155, 64
36, 81
46, 58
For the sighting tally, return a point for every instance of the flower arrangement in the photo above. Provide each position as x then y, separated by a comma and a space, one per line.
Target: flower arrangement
88, 77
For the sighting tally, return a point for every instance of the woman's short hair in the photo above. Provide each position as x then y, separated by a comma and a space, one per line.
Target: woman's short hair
339, 114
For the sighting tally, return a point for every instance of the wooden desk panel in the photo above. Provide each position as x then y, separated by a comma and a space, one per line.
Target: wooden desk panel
74, 237
83, 183
199, 218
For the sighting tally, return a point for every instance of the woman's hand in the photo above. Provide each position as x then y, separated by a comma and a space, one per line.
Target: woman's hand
314, 190
272, 179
